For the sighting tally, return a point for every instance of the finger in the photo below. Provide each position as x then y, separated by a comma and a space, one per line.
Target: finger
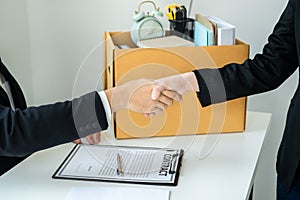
93, 138
97, 137
166, 100
158, 108
161, 106
172, 94
155, 112
156, 91
90, 139
150, 115
146, 115
78, 141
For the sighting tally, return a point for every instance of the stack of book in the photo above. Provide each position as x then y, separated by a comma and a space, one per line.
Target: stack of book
211, 30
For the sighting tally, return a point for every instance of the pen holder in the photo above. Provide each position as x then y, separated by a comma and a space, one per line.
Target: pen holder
183, 28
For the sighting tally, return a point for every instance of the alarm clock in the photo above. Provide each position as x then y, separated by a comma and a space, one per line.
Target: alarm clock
146, 26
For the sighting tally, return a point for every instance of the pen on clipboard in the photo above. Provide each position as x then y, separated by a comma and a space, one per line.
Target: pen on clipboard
120, 171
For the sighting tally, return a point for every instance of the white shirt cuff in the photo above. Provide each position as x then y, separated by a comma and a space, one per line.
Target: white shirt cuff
106, 106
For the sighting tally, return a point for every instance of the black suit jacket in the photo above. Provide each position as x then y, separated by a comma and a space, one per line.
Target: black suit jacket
266, 71
29, 129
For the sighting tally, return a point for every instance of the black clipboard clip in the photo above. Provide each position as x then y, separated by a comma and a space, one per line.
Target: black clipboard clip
173, 167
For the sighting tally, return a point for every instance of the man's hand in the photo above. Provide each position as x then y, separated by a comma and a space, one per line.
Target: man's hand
136, 96
91, 139
180, 83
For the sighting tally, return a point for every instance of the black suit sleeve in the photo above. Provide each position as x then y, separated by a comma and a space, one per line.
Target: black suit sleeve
265, 72
36, 128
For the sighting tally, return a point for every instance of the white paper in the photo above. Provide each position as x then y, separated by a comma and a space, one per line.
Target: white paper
140, 165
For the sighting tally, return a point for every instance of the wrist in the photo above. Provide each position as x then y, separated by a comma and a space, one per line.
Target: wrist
108, 93
116, 99
191, 80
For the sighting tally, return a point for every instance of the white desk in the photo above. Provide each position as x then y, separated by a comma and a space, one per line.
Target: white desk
226, 173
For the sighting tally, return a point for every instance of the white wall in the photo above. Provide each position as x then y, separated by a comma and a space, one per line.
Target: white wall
15, 44
63, 32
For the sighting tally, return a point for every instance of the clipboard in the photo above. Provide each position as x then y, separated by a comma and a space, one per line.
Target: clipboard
140, 165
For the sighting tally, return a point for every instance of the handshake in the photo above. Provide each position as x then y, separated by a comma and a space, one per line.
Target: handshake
151, 97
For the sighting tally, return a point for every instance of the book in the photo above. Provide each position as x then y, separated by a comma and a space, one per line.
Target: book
167, 41
202, 36
226, 31
142, 165
204, 31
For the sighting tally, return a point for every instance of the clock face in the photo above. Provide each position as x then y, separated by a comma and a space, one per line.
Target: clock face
150, 28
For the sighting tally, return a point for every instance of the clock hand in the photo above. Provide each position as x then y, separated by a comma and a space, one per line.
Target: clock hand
153, 30
149, 33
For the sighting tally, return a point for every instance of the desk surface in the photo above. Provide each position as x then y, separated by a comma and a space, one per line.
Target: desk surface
225, 173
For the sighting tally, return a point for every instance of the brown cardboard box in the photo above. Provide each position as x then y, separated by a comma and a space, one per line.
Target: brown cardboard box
186, 116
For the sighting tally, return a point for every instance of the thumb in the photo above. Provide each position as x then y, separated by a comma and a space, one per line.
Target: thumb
156, 91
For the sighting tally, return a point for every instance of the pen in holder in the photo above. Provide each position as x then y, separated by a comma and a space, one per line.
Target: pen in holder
183, 28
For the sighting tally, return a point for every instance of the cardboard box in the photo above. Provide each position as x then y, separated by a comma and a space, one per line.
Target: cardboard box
182, 118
